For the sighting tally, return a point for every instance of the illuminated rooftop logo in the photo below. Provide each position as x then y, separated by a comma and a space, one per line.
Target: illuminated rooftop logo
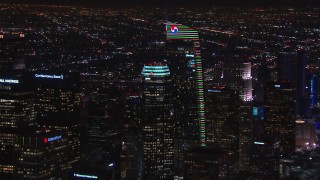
10, 81
51, 139
174, 29
48, 76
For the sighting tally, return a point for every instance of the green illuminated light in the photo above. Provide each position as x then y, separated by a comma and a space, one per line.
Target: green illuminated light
187, 33
155, 71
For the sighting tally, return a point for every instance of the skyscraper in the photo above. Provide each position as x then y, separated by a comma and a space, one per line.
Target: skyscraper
131, 151
16, 113
291, 68
157, 122
265, 158
223, 121
184, 59
245, 120
280, 114
184, 53
229, 113
40, 154
57, 106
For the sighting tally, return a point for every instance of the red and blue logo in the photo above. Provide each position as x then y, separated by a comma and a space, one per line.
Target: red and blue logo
174, 29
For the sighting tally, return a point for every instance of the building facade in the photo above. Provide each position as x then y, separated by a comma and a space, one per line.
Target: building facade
157, 122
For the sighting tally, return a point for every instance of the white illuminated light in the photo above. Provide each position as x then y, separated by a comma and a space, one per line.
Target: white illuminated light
54, 138
85, 176
213, 90
277, 86
48, 76
11, 81
300, 121
260, 143
111, 164
189, 55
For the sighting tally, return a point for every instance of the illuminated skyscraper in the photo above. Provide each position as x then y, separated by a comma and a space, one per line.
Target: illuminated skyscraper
184, 53
223, 121
280, 114
265, 157
57, 106
246, 120
16, 113
229, 113
40, 155
184, 59
157, 122
245, 71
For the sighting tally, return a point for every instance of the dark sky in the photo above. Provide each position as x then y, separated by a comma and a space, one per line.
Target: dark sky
162, 3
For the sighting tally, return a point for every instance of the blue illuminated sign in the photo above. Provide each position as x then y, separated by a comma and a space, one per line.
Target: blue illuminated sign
85, 176
312, 91
54, 138
48, 76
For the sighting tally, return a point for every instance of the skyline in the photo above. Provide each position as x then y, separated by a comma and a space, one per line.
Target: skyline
147, 93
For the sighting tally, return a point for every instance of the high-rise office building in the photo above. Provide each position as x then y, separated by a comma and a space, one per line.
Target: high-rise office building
57, 106
131, 151
40, 154
229, 113
291, 68
280, 114
184, 60
223, 121
265, 158
245, 119
16, 113
157, 122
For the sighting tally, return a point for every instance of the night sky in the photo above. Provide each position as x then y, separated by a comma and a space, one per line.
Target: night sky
175, 3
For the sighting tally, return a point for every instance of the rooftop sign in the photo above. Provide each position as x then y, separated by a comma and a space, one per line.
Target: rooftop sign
11, 81
85, 176
48, 76
52, 139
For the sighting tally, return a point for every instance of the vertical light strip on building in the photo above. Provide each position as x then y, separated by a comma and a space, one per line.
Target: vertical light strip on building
312, 90
181, 32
